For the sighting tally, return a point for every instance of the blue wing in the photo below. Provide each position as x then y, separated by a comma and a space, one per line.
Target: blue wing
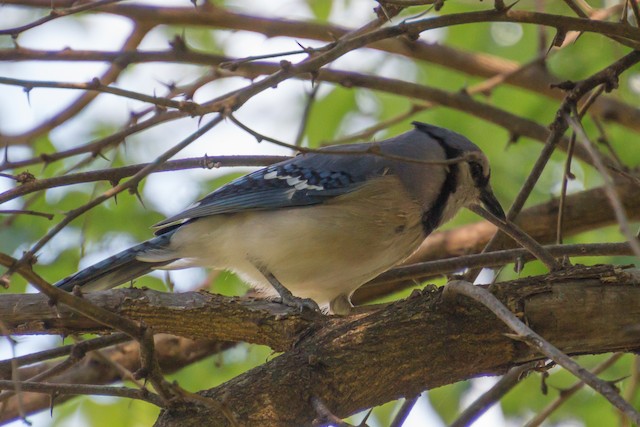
292, 183
314, 178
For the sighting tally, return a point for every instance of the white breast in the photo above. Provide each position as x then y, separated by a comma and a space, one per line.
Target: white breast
319, 252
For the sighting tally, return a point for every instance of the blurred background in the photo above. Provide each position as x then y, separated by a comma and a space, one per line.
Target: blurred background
41, 121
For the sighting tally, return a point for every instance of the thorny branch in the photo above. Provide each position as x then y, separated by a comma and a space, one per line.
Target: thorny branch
398, 37
527, 335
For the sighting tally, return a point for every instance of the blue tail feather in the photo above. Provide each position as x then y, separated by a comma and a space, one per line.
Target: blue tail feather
117, 269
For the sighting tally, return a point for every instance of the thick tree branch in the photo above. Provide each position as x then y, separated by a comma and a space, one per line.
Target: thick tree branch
197, 315
357, 362
330, 356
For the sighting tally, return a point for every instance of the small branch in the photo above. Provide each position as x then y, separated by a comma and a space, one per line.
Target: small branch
109, 76
369, 132
631, 388
424, 270
14, 372
371, 149
54, 14
493, 395
150, 368
526, 334
567, 393
97, 390
519, 236
130, 184
566, 176
116, 174
558, 128
54, 370
614, 200
188, 107
81, 347
636, 11
114, 364
306, 114
404, 411
25, 212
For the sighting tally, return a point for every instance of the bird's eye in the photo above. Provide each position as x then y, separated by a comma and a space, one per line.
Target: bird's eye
476, 170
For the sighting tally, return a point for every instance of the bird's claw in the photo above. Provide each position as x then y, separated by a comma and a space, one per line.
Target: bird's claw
299, 303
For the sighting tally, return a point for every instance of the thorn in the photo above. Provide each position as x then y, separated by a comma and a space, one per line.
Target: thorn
513, 139
27, 91
135, 192
508, 8
314, 77
52, 397
178, 44
558, 39
565, 85
99, 153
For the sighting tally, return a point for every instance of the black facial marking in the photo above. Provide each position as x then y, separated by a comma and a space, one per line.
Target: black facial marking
432, 217
477, 173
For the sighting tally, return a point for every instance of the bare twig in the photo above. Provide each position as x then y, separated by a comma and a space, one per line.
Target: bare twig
566, 176
405, 410
631, 388
425, 270
81, 347
14, 372
614, 200
54, 14
86, 98
98, 390
526, 334
25, 212
96, 85
558, 128
566, 394
306, 113
493, 395
114, 175
519, 236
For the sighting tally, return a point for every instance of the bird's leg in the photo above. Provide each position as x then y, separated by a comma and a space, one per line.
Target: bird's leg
286, 297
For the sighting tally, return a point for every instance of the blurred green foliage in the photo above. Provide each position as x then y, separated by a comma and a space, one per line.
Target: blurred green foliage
128, 217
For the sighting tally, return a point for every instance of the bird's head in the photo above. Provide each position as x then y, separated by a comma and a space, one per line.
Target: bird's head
473, 180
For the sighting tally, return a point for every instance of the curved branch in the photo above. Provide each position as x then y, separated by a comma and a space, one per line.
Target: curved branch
363, 361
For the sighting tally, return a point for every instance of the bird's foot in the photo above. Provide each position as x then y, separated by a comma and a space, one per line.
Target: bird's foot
286, 297
298, 303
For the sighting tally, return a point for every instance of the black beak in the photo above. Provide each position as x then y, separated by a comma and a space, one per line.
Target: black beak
492, 204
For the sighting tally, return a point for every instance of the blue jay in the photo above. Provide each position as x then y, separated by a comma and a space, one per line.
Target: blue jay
318, 226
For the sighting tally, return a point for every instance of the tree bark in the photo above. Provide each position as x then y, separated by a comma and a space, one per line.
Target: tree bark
424, 342
355, 362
